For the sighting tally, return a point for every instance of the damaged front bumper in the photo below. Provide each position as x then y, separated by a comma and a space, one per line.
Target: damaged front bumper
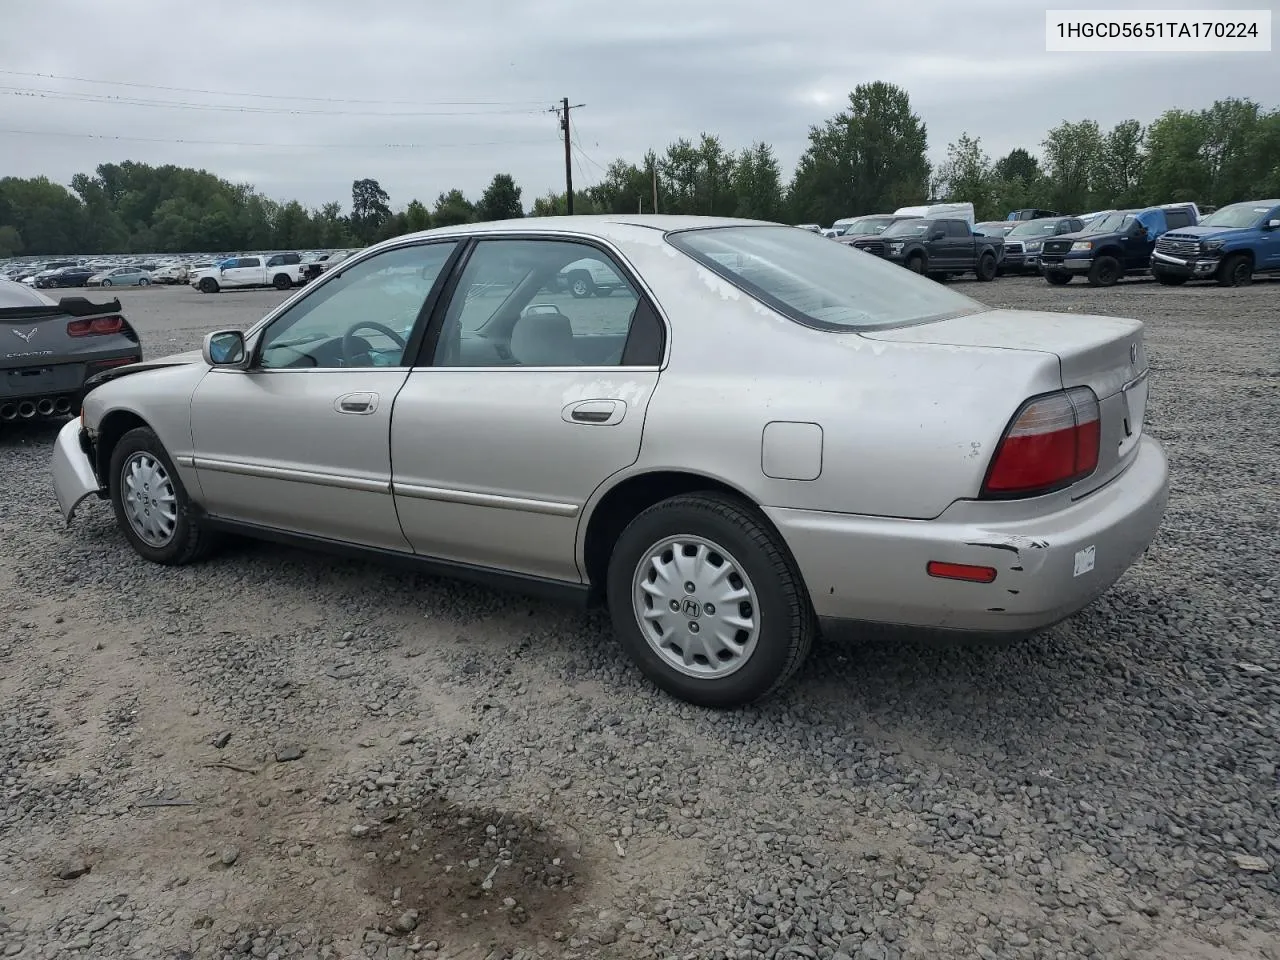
74, 479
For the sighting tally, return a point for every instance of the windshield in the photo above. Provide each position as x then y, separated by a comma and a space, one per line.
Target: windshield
1236, 215
1112, 222
818, 283
907, 228
866, 227
1035, 228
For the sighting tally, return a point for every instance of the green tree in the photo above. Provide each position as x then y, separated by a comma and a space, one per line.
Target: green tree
1121, 165
1073, 153
624, 188
756, 182
500, 200
10, 241
968, 176
453, 208
1176, 168
870, 158
417, 217
370, 209
1018, 165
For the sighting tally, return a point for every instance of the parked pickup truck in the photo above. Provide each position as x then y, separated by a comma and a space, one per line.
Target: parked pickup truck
1230, 246
940, 247
281, 270
1112, 247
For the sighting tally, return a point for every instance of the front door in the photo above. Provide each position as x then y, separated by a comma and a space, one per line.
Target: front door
529, 399
299, 441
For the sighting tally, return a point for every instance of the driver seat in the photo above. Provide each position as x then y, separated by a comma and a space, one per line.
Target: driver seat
544, 340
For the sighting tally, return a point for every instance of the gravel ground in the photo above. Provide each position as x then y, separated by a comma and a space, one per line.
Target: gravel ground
279, 755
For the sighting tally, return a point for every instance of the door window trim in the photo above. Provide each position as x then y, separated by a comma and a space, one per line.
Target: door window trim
425, 359
420, 324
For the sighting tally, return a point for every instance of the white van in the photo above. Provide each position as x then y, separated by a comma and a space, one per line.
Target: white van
957, 211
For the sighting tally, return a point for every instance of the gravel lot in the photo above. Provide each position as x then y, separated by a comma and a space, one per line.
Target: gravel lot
372, 764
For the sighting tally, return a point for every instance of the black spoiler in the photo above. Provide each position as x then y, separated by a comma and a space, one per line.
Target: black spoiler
66, 307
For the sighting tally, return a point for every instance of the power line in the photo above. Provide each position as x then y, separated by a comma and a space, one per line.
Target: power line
275, 96
276, 146
101, 98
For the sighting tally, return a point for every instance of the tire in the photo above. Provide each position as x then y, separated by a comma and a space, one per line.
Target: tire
208, 285
915, 263
1105, 272
1235, 271
106, 283
580, 284
183, 540
986, 268
1058, 279
144, 282
1170, 279
281, 281
779, 609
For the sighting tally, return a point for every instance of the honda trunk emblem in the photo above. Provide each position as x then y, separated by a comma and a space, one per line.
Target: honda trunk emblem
25, 336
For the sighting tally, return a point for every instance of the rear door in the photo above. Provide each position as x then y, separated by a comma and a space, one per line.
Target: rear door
247, 272
1269, 242
529, 398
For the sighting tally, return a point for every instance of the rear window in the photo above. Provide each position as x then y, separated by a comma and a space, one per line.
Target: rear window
818, 283
20, 295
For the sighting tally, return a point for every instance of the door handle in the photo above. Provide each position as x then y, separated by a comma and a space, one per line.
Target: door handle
601, 413
356, 403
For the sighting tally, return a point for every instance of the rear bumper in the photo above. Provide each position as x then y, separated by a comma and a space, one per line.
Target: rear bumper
1072, 265
37, 381
1195, 269
73, 478
872, 569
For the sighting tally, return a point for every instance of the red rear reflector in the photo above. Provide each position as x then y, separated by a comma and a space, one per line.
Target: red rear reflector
97, 326
1052, 442
960, 571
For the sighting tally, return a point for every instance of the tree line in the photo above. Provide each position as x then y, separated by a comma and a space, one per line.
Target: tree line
870, 157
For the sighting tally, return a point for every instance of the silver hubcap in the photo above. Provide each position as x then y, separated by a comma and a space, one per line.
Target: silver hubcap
150, 502
696, 607
580, 286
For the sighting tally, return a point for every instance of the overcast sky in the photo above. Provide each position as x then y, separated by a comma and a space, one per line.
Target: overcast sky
472, 83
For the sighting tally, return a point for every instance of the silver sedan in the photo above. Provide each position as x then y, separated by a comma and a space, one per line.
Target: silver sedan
758, 435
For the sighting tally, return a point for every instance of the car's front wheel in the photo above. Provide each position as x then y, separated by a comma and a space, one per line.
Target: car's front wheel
208, 285
707, 601
151, 504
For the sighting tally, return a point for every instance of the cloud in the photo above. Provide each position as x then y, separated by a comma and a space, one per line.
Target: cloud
426, 97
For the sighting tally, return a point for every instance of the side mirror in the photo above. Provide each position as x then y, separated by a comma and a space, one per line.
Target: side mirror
937, 234
225, 348
1273, 224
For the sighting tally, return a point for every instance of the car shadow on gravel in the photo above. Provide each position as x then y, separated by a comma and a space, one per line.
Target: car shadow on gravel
29, 433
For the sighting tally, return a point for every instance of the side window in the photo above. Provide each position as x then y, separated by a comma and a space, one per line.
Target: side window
957, 229
362, 317
249, 262
275, 261
1178, 218
542, 303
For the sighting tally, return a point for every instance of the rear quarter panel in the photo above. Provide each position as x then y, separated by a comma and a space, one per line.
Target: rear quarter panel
907, 428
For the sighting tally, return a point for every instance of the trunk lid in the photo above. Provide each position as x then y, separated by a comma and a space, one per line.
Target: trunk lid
1106, 354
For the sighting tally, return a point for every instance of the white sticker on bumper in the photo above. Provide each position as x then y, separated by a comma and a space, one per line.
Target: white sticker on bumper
1085, 559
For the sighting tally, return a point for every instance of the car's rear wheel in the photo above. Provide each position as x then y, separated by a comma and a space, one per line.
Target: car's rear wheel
1105, 272
707, 601
580, 284
106, 283
208, 285
151, 504
144, 282
987, 267
1235, 271
282, 282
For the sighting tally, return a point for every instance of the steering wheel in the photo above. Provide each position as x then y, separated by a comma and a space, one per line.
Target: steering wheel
349, 351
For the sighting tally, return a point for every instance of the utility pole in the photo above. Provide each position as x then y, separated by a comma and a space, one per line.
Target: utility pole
654, 170
563, 110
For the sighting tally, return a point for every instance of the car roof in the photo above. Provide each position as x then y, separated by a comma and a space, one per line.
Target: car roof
592, 225
13, 294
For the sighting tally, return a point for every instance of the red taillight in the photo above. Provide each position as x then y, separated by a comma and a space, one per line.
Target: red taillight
960, 571
96, 326
1052, 442
117, 362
